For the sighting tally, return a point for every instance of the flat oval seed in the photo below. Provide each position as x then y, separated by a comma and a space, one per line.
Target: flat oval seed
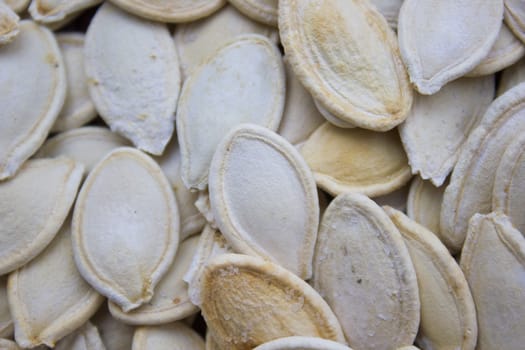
78, 108
171, 301
511, 77
424, 204
507, 50
448, 313
515, 17
462, 34
85, 338
34, 205
125, 202
301, 343
33, 78
8, 24
509, 183
196, 41
243, 82
87, 145
438, 125
493, 260
264, 11
363, 270
356, 160
48, 297
176, 336
247, 301
175, 11
18, 5
7, 344
255, 175
133, 76
192, 221
115, 334
52, 12
6, 322
472, 181
347, 57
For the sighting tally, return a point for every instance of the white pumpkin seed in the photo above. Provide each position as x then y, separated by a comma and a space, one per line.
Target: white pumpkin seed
87, 145
511, 77
33, 74
332, 118
347, 57
171, 10
301, 343
18, 6
507, 50
509, 183
242, 82
247, 301
255, 175
389, 9
438, 125
115, 334
264, 11
448, 313
472, 181
6, 344
356, 160
196, 41
53, 12
442, 40
424, 204
48, 297
125, 202
34, 205
170, 301
132, 69
85, 338
175, 336
8, 24
78, 108
515, 17
6, 322
493, 260
363, 270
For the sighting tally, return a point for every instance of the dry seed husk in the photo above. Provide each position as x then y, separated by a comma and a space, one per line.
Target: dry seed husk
461, 36
301, 343
85, 338
509, 183
356, 160
363, 270
18, 5
175, 11
264, 11
247, 301
211, 243
512, 76
507, 50
424, 204
133, 76
32, 64
438, 125
255, 174
78, 108
48, 297
34, 205
448, 313
125, 202
86, 145
171, 301
347, 57
389, 9
192, 221
115, 334
242, 82
471, 183
196, 41
515, 17
175, 336
493, 260
8, 24
300, 116
6, 322
58, 12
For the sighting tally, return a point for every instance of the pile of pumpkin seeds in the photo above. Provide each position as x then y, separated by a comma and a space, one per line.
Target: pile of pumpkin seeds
262, 174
